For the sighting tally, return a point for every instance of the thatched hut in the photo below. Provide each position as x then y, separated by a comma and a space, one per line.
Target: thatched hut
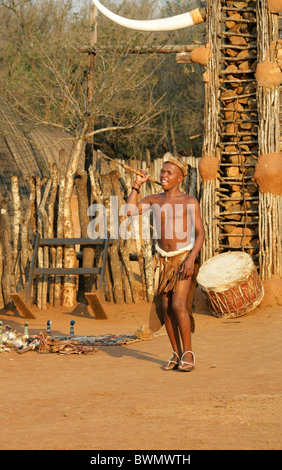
23, 153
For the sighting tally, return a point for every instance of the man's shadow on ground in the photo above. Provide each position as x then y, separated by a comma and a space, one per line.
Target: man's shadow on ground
125, 351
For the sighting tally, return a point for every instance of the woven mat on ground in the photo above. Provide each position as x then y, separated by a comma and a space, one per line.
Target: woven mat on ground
104, 340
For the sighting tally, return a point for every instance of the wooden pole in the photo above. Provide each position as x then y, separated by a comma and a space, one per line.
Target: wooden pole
44, 220
167, 49
211, 112
270, 214
91, 66
5, 237
16, 228
126, 167
60, 225
50, 234
81, 180
83, 184
27, 219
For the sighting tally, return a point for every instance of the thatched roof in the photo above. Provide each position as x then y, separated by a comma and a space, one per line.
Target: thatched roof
23, 154
49, 141
17, 155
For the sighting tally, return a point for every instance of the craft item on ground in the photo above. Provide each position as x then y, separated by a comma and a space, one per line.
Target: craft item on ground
69, 347
109, 340
144, 332
49, 327
9, 336
45, 343
102, 340
4, 336
20, 341
3, 348
72, 327
32, 343
26, 329
11, 339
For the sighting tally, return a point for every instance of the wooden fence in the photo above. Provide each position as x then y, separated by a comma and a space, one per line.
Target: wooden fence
50, 211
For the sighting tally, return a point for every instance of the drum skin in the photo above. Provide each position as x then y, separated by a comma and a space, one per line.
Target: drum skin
230, 284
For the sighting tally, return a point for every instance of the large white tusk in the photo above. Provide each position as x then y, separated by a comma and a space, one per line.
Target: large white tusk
165, 24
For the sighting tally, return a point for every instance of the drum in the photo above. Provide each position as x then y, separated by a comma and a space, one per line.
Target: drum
230, 284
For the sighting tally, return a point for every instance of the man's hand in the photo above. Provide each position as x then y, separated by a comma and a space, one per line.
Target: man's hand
187, 268
142, 179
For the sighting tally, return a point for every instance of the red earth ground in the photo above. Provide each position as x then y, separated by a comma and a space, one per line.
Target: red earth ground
120, 398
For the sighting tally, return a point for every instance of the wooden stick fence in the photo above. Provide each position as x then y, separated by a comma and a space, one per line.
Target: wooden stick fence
49, 211
270, 225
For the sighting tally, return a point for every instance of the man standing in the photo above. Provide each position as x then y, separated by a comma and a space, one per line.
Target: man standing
180, 236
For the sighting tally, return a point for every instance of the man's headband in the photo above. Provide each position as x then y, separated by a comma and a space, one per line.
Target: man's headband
168, 158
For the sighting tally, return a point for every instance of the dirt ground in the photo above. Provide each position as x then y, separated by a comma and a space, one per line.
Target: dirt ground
120, 398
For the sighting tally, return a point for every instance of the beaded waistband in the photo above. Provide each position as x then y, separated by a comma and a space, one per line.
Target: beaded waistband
168, 254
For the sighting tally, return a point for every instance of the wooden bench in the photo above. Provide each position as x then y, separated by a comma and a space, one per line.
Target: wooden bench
93, 298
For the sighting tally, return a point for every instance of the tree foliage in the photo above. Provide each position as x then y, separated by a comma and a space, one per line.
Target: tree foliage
138, 101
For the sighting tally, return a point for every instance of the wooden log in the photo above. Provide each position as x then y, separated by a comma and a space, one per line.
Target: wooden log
114, 259
238, 133
193, 183
211, 137
166, 49
5, 240
240, 241
233, 21
125, 245
81, 178
51, 229
97, 197
39, 229
270, 220
60, 226
95, 171
70, 261
45, 224
1, 273
183, 58
16, 232
28, 217
138, 240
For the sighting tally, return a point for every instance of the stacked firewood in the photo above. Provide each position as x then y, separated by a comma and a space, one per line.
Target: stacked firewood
238, 192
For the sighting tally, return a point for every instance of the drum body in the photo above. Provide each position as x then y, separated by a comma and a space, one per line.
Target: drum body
230, 284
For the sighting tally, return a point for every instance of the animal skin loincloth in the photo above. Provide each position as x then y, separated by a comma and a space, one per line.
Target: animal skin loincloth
166, 276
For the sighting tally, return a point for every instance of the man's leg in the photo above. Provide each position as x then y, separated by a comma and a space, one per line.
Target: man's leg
172, 331
179, 299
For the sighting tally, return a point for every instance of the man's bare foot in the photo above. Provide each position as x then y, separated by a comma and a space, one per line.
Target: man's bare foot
173, 362
189, 363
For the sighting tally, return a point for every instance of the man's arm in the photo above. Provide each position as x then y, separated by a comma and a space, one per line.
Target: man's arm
133, 207
187, 268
